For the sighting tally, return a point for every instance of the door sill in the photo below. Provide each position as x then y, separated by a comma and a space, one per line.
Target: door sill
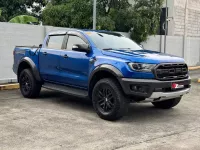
66, 89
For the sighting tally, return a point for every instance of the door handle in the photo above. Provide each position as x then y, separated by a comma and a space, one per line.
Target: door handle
44, 53
65, 56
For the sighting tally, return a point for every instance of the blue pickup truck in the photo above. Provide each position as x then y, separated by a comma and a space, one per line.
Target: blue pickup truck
105, 67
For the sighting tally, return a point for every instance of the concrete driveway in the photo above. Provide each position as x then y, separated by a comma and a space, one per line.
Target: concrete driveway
57, 121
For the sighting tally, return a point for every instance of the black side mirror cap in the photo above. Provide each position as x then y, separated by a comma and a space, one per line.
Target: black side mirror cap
81, 48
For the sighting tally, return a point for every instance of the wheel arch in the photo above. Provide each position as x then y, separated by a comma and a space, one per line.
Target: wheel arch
101, 72
26, 63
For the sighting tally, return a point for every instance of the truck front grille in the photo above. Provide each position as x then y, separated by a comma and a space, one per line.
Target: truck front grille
171, 71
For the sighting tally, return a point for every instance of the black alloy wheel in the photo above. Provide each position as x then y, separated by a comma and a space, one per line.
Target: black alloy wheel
29, 86
25, 84
108, 99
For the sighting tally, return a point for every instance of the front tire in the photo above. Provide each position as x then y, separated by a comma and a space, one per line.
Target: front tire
108, 100
167, 104
30, 88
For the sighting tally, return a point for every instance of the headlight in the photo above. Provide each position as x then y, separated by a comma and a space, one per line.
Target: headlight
141, 67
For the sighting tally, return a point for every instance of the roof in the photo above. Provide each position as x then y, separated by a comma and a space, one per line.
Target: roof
61, 31
64, 31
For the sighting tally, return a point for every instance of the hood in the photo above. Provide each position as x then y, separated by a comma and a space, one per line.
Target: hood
144, 56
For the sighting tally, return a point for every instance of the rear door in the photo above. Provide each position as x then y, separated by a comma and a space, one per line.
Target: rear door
74, 65
49, 58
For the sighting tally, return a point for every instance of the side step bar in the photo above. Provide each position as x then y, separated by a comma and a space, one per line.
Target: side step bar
66, 89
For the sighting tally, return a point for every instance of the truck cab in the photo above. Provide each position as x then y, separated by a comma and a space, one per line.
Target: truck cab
106, 67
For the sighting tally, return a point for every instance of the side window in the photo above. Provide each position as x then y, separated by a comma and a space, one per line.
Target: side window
55, 42
73, 40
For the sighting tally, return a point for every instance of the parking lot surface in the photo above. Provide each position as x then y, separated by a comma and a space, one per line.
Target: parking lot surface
57, 121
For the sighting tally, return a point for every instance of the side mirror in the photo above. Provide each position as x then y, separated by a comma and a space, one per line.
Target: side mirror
40, 46
81, 48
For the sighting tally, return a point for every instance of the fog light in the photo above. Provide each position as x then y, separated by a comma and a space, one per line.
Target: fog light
139, 88
134, 88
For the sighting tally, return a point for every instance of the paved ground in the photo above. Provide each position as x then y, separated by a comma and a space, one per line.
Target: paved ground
195, 74
56, 121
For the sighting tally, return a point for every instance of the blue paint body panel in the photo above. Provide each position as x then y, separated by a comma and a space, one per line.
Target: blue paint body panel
48, 64
76, 69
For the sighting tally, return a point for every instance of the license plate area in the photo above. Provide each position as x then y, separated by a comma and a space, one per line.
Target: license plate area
176, 86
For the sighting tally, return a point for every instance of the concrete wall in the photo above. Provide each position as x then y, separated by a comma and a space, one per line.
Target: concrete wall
12, 35
175, 47
179, 16
186, 16
193, 18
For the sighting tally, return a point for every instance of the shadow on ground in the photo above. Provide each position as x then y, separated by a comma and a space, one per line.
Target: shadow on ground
137, 112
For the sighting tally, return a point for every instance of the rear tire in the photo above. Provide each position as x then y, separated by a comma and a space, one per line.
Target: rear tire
29, 86
108, 100
167, 104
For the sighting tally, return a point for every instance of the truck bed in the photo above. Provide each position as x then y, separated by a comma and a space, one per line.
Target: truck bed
24, 51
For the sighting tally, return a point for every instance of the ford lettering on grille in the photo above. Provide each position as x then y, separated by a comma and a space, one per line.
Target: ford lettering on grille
171, 71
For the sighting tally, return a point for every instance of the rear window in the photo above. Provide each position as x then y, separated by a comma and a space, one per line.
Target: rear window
55, 42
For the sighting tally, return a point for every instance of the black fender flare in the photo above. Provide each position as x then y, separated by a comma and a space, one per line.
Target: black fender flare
113, 70
33, 68
105, 67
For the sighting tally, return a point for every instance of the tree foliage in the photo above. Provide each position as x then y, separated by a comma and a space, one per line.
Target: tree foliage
106, 5
23, 19
12, 8
140, 19
145, 20
81, 13
58, 15
1, 18
105, 23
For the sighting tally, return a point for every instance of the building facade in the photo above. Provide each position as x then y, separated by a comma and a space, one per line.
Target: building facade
184, 17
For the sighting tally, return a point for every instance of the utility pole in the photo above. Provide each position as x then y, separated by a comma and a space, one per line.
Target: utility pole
166, 28
185, 29
94, 14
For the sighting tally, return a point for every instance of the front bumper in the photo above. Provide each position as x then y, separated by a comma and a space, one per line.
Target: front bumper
154, 90
161, 96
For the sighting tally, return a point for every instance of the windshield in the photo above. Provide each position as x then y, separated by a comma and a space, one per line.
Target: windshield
111, 40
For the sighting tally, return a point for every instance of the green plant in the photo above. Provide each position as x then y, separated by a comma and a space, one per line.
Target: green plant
12, 8
58, 15
141, 19
81, 14
23, 19
105, 23
1, 18
145, 19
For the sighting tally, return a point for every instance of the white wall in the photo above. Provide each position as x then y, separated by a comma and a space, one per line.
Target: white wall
192, 54
12, 35
175, 47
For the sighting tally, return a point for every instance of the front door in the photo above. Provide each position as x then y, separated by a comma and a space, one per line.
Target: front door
49, 58
74, 65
